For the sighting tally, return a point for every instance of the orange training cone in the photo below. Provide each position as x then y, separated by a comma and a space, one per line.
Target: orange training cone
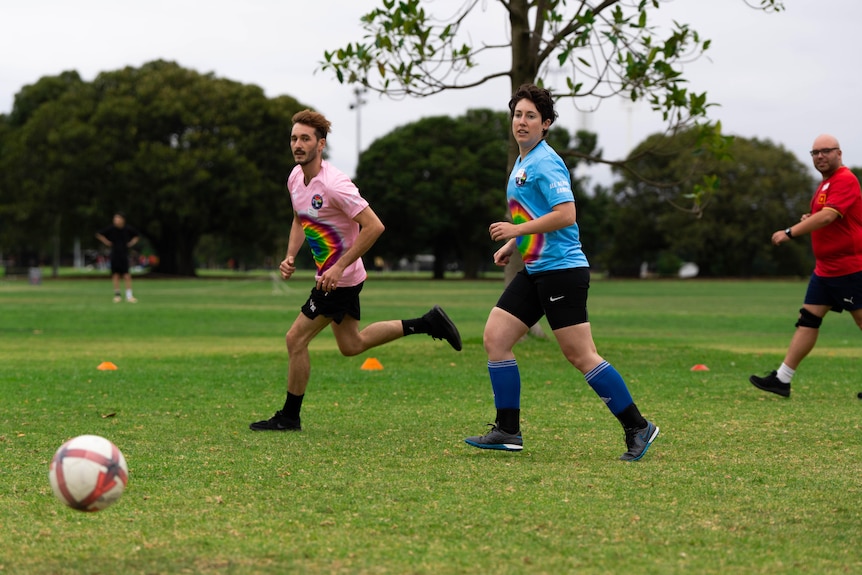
372, 363
106, 366
699, 367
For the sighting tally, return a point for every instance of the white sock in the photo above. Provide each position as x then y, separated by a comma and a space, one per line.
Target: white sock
785, 374
128, 294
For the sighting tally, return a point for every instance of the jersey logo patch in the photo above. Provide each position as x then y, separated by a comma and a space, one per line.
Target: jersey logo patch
821, 199
521, 177
317, 201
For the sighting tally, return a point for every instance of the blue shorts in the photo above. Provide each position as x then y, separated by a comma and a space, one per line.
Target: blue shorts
840, 293
335, 304
560, 295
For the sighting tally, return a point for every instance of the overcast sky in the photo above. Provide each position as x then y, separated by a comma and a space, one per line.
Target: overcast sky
785, 77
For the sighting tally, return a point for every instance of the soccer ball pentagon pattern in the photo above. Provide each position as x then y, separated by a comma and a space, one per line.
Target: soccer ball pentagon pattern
88, 473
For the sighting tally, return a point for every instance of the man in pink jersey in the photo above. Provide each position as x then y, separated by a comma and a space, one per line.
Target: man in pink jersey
835, 225
339, 226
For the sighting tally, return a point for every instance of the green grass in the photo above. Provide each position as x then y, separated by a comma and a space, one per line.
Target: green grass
380, 481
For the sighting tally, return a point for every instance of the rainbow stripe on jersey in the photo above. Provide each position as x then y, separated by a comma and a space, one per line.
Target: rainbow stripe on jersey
324, 241
529, 246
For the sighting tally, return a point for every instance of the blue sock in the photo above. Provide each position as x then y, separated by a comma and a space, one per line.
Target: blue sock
506, 383
609, 385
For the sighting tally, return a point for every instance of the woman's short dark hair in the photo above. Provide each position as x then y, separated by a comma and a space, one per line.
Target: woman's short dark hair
541, 97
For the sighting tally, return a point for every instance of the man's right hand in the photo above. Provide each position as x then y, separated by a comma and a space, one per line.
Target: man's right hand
287, 267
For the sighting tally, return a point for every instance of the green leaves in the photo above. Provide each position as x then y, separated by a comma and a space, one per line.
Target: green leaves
459, 163
712, 199
606, 49
185, 154
404, 45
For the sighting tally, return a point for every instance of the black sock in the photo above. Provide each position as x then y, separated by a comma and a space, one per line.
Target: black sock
292, 405
418, 325
509, 420
631, 418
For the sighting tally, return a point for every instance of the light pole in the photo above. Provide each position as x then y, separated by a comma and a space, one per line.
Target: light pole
357, 105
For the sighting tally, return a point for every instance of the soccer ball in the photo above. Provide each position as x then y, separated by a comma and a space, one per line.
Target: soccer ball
88, 473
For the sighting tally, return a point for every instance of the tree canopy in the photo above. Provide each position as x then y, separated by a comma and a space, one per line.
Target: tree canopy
184, 154
604, 48
439, 182
763, 189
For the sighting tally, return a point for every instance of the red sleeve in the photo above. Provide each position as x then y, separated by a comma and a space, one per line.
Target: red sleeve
843, 192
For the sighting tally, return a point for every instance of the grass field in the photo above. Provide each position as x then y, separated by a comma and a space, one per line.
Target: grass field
380, 481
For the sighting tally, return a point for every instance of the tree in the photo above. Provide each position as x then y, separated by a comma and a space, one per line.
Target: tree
764, 189
36, 173
607, 48
436, 185
439, 182
185, 154
594, 207
596, 212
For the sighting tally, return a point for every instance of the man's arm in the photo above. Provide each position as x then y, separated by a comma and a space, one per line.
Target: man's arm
807, 224
103, 239
294, 243
370, 229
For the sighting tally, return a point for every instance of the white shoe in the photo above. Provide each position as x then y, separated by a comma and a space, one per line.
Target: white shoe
131, 300
117, 299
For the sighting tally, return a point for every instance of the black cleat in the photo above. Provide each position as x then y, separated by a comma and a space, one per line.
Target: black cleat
638, 441
771, 383
277, 422
442, 327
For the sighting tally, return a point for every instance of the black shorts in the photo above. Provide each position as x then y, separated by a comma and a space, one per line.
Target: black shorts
841, 292
560, 295
120, 264
335, 304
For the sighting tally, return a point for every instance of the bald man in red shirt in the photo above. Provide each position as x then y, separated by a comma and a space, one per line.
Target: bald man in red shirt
835, 225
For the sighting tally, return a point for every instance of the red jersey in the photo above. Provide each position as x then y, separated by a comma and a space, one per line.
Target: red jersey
838, 246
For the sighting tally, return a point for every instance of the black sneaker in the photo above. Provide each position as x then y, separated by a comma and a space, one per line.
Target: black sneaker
638, 441
497, 439
277, 422
442, 327
771, 383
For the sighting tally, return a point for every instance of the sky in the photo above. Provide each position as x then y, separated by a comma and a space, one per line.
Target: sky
784, 77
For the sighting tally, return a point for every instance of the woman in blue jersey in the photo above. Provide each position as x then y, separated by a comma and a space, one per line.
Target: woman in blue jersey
554, 283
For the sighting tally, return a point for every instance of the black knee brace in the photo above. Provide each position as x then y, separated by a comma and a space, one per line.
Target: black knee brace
808, 319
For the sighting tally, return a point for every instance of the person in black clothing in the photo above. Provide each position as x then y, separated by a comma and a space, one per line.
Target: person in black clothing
120, 237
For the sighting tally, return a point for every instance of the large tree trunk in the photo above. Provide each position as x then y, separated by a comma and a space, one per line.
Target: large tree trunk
524, 71
470, 265
176, 253
439, 267
55, 256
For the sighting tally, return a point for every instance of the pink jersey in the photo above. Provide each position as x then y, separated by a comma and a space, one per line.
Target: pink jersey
326, 208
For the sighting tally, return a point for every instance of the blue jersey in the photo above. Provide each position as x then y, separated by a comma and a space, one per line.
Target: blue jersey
537, 184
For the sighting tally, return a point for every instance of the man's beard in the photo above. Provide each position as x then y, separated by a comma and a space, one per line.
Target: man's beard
306, 159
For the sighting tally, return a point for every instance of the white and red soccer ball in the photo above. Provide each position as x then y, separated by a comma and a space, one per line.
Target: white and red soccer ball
88, 473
